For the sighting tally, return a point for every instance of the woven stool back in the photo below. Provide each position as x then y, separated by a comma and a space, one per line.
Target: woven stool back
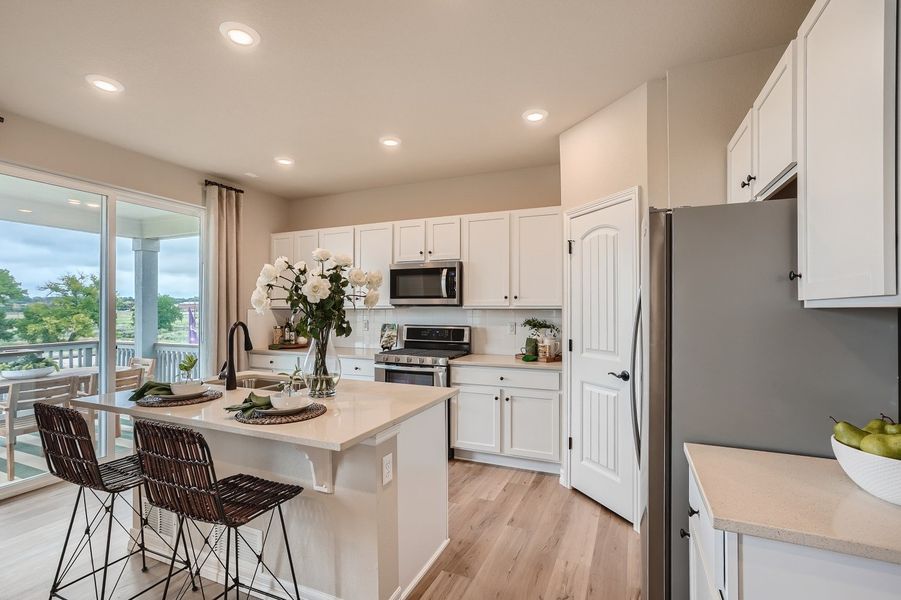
67, 445
178, 471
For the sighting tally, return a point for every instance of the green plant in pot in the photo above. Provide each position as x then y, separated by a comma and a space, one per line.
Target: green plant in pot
536, 327
186, 384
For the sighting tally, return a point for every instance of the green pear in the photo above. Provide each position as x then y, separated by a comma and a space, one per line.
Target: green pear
882, 444
848, 434
875, 426
893, 428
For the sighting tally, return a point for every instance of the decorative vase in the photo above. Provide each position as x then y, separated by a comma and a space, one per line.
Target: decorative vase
532, 346
322, 367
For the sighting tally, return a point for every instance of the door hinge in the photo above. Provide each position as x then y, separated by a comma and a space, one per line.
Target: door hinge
569, 246
570, 345
570, 443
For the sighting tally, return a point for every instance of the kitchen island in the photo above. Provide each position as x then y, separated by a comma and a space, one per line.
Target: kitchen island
373, 515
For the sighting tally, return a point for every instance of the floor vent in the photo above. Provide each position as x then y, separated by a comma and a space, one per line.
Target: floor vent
160, 520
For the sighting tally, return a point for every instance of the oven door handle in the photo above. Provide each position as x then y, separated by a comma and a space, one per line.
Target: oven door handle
444, 282
411, 368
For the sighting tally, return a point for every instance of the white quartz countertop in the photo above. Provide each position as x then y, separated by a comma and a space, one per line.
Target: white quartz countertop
503, 361
360, 410
342, 351
794, 499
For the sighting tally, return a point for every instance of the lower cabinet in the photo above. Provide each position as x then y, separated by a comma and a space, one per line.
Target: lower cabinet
359, 369
519, 422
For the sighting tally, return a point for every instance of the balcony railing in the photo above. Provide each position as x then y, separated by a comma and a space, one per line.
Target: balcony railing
86, 353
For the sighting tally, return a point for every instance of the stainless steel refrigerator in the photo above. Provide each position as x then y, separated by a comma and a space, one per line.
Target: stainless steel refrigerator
731, 357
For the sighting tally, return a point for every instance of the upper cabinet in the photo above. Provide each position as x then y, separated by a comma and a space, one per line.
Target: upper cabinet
537, 256
304, 244
486, 260
420, 240
373, 248
847, 221
773, 121
740, 163
340, 240
281, 244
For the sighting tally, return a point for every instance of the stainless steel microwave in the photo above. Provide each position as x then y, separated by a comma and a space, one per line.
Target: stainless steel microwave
426, 284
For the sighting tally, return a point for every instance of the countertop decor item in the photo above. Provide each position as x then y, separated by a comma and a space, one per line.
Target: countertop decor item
316, 295
30, 366
538, 329
257, 417
179, 399
877, 475
185, 383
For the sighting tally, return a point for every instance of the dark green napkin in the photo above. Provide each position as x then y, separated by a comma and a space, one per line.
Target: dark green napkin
151, 388
251, 403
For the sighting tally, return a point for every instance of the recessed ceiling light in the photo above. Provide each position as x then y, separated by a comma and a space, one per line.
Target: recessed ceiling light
389, 141
73, 201
253, 175
104, 84
240, 34
25, 210
535, 115
92, 205
285, 161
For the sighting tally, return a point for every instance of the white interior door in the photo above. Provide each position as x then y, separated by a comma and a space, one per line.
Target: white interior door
603, 296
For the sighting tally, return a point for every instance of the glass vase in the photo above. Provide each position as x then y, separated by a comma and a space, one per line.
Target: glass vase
322, 367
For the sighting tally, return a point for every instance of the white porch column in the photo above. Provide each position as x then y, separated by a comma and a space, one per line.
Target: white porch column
147, 252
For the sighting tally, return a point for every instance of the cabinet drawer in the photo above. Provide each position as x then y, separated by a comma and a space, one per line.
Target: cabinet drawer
357, 367
276, 362
508, 378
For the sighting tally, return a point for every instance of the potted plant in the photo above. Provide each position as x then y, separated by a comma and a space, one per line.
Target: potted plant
185, 384
316, 296
536, 327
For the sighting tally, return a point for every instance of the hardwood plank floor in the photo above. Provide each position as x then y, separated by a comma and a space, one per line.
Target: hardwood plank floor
515, 535
520, 535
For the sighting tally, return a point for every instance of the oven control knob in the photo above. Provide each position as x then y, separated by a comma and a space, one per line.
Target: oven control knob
421, 360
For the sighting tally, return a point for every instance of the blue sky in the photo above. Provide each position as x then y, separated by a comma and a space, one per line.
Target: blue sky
35, 255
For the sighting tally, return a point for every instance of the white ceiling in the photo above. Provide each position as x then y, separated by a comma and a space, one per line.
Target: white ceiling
449, 77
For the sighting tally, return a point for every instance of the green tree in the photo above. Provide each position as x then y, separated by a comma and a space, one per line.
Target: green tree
71, 311
10, 291
168, 312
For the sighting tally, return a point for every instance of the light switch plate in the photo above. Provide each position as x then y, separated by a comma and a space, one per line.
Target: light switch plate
511, 328
387, 468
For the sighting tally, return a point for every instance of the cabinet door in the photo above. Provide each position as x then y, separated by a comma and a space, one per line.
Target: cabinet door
373, 247
775, 134
537, 258
304, 244
476, 419
846, 150
531, 421
486, 260
443, 238
739, 163
409, 241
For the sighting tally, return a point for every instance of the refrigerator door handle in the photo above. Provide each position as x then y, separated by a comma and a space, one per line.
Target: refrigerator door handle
636, 431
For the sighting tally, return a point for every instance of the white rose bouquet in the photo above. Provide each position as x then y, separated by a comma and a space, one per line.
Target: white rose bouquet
316, 295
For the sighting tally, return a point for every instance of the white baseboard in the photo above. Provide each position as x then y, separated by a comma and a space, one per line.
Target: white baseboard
396, 595
424, 570
507, 461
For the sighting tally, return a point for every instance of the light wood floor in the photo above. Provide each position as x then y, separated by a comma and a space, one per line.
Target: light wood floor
520, 535
515, 535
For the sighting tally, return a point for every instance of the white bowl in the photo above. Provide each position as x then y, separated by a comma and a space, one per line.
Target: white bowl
282, 401
194, 387
27, 373
878, 475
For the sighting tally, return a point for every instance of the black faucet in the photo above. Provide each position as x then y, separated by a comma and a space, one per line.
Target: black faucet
228, 369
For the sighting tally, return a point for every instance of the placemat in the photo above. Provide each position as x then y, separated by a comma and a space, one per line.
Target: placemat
309, 412
161, 402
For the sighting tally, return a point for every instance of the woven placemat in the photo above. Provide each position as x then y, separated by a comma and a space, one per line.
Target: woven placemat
309, 412
159, 402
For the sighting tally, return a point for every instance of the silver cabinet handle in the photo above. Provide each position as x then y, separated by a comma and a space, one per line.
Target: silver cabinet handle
444, 282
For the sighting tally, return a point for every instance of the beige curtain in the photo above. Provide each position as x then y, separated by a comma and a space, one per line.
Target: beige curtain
224, 209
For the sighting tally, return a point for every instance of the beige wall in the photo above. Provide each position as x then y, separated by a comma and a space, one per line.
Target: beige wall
706, 102
503, 190
33, 144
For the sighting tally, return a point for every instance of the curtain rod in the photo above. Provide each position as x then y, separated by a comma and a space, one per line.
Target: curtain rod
222, 185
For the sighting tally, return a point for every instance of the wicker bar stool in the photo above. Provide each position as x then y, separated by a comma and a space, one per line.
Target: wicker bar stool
180, 477
70, 456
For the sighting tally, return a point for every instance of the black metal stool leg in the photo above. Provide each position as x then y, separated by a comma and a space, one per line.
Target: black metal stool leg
237, 568
62, 554
281, 518
109, 536
184, 541
142, 523
228, 547
181, 523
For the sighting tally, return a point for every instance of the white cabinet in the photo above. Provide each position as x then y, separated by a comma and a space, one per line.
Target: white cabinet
531, 424
486, 260
775, 134
847, 219
281, 244
740, 163
537, 258
340, 240
476, 419
373, 248
409, 241
420, 240
280, 363
304, 244
358, 369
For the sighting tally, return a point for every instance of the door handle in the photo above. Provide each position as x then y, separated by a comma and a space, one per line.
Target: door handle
636, 418
692, 512
684, 534
792, 275
624, 375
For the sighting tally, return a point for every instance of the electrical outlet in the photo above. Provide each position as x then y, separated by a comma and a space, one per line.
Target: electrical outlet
365, 324
387, 468
511, 328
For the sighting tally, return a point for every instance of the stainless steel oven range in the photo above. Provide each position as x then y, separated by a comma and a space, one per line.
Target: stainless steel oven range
425, 356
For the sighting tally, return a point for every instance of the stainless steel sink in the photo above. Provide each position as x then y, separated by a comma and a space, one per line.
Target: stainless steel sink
260, 383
